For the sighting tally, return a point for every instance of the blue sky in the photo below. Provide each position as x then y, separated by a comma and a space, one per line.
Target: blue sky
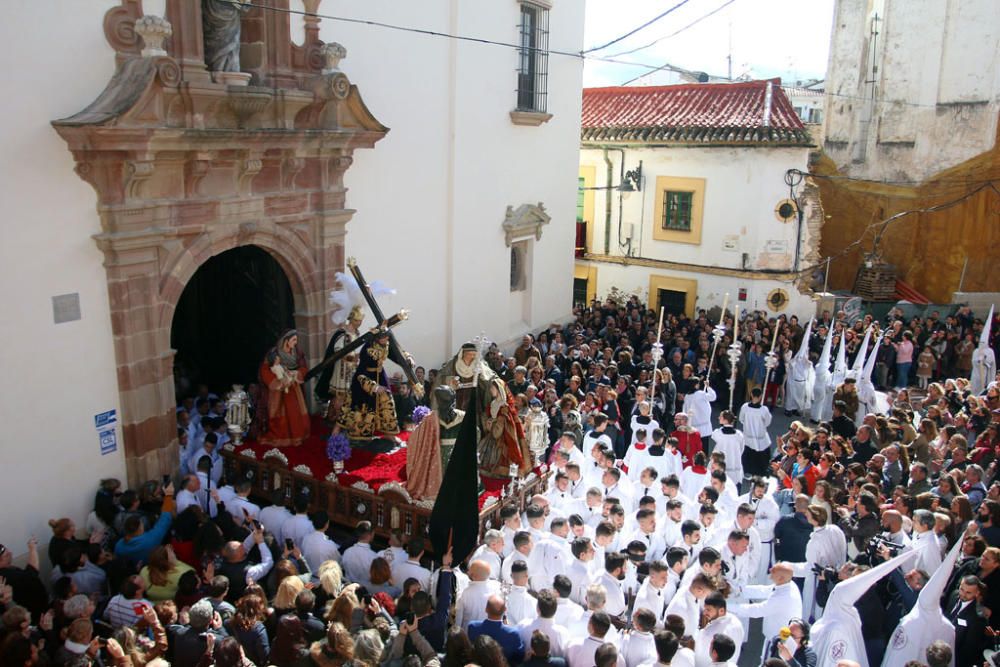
786, 38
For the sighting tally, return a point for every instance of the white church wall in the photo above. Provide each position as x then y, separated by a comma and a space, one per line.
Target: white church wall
58, 375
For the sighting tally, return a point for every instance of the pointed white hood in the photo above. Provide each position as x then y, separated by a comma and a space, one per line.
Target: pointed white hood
823, 365
984, 337
859, 361
866, 373
925, 623
840, 365
803, 352
837, 635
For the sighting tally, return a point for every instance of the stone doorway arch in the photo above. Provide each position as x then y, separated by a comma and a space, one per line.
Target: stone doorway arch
187, 165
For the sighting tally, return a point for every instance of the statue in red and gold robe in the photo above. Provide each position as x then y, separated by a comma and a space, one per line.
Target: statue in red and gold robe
282, 373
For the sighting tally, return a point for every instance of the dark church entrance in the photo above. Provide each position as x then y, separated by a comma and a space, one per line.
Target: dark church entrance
230, 314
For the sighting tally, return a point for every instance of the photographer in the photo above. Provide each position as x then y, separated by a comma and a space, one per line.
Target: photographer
861, 525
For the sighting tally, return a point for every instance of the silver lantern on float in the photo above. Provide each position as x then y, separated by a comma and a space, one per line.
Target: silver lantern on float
237, 413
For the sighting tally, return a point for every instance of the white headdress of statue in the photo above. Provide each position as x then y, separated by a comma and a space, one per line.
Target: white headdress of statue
349, 301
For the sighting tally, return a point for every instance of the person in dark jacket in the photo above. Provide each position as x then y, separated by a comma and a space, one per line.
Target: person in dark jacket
433, 621
863, 524
804, 656
964, 612
791, 533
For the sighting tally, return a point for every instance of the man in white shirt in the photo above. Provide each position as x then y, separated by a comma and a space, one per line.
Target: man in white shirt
567, 444
647, 486
613, 486
568, 613
208, 449
666, 645
736, 565
755, 419
718, 622
550, 556
560, 496
577, 486
638, 646
779, 603
592, 511
411, 567
490, 552
358, 557
581, 652
709, 563
743, 523
523, 544
521, 605
687, 603
672, 522
296, 528
670, 489
648, 535
545, 622
275, 515
580, 570
317, 548
766, 515
723, 651
471, 605
690, 539
653, 592
240, 507
191, 493
510, 519
925, 541
614, 573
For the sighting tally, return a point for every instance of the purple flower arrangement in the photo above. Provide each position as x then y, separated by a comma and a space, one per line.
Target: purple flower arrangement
338, 447
419, 413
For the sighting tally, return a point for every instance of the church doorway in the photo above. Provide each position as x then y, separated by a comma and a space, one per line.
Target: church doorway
229, 315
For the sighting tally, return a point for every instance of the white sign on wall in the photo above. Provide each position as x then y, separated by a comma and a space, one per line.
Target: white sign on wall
775, 247
731, 242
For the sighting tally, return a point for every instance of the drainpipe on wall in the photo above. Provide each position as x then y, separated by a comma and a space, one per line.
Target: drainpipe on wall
607, 204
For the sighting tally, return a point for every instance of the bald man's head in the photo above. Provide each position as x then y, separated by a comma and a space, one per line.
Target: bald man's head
479, 570
781, 573
495, 608
847, 663
802, 503
892, 520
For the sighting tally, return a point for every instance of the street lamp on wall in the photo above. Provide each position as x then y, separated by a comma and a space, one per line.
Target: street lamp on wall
632, 181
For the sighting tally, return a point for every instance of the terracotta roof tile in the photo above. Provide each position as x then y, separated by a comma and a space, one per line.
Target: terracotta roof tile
695, 113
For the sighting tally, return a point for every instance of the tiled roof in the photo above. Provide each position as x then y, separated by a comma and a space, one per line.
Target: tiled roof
692, 113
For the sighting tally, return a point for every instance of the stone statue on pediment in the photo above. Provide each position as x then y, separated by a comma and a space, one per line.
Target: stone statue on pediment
221, 27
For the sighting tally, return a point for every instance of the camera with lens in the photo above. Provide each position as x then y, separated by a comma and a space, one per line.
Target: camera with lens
875, 546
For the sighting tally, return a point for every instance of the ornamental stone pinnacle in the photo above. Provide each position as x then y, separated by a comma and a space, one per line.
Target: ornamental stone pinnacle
154, 30
332, 54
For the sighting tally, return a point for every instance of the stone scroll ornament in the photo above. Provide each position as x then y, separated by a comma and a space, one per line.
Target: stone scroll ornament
221, 27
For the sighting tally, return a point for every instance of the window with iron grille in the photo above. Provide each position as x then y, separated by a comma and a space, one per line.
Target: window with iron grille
677, 210
533, 58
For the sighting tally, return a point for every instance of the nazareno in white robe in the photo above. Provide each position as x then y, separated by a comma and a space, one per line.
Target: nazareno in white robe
837, 635
925, 623
799, 384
